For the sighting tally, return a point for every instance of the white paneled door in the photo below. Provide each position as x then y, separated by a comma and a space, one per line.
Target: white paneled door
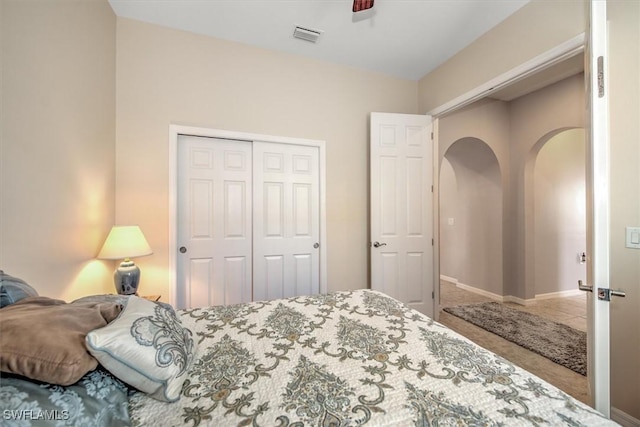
286, 260
248, 221
214, 221
402, 208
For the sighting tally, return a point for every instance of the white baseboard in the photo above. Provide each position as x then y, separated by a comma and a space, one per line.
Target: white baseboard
448, 279
482, 292
561, 294
623, 418
511, 298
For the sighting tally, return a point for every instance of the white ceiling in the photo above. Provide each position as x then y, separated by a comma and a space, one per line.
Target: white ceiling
402, 38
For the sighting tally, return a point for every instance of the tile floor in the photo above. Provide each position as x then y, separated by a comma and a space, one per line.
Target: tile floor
569, 310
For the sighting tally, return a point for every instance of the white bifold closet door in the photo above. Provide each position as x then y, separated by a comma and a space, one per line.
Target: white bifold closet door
248, 221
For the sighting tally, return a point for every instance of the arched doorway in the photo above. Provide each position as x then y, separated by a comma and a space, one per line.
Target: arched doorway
471, 226
556, 228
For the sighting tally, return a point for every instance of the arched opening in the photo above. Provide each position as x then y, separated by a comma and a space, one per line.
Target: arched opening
471, 200
556, 228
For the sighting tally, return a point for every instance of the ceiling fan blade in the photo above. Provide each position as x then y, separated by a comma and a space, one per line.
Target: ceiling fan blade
360, 5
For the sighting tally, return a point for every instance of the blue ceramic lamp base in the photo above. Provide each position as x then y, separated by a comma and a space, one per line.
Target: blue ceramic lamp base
127, 277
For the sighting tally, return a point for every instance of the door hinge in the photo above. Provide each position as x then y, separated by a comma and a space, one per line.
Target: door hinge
600, 76
432, 242
432, 188
432, 136
433, 295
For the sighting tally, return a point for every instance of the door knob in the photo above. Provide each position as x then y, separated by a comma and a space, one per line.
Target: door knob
316, 245
378, 244
182, 249
605, 294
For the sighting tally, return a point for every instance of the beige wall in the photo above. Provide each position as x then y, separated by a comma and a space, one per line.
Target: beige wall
515, 131
488, 121
166, 76
449, 205
624, 80
58, 144
475, 238
530, 31
536, 28
534, 119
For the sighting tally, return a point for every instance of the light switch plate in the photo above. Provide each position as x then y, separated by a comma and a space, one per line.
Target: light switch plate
633, 237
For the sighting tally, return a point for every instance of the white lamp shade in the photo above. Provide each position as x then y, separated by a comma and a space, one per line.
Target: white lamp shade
125, 241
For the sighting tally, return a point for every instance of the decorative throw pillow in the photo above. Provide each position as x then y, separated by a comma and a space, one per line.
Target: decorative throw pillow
146, 347
13, 290
43, 338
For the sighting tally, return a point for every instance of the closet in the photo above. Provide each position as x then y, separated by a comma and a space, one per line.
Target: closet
248, 220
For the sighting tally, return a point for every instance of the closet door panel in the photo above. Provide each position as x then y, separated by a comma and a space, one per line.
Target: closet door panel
214, 221
286, 219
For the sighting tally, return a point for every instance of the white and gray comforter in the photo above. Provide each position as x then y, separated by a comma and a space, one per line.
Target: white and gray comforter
349, 359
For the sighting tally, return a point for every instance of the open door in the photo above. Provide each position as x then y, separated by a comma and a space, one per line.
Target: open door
598, 181
402, 238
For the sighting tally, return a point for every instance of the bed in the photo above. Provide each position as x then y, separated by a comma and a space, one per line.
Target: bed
341, 359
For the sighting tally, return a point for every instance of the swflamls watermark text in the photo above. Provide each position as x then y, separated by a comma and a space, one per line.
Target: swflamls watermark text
35, 414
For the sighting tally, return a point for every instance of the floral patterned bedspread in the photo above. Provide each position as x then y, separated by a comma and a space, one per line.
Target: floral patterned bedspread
349, 359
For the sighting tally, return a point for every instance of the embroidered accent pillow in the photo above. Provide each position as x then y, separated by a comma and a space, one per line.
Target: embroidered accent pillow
146, 347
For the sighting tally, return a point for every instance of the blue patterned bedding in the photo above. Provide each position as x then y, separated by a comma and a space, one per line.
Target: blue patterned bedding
98, 399
348, 359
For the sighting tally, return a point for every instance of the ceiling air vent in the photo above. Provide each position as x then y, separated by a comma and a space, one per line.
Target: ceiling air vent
307, 34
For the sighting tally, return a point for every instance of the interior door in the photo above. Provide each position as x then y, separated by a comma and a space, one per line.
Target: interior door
286, 226
598, 163
402, 209
214, 221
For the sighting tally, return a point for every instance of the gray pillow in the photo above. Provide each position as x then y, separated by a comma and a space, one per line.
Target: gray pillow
97, 400
13, 290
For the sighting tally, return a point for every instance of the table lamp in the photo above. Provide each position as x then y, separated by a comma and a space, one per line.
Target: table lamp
125, 242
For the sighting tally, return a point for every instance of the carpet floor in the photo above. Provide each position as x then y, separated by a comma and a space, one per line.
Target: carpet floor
557, 342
